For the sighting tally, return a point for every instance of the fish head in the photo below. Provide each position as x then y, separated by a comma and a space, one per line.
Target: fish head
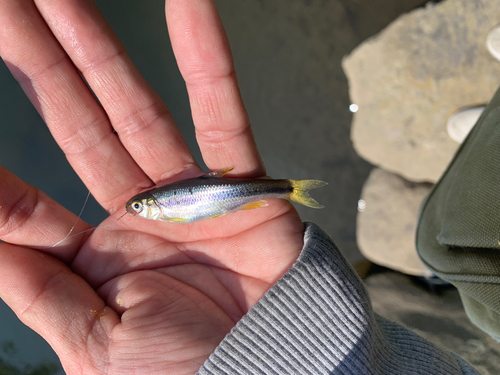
145, 207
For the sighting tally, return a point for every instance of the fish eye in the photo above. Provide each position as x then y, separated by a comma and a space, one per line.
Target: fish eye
137, 206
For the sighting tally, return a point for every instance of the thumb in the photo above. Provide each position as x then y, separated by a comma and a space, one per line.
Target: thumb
58, 304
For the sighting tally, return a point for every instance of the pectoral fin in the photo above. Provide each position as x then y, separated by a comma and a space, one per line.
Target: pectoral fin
251, 206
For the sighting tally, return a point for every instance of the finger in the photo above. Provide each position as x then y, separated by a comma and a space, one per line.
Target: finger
57, 304
137, 113
29, 217
204, 58
76, 120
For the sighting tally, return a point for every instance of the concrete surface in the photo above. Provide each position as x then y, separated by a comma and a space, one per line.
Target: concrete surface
288, 57
435, 314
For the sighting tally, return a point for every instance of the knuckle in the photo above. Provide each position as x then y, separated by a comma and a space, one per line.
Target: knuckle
222, 136
15, 212
141, 119
86, 137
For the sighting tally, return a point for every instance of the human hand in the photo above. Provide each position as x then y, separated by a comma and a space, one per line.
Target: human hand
167, 293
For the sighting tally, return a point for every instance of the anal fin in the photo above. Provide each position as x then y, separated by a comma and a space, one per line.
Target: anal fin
252, 205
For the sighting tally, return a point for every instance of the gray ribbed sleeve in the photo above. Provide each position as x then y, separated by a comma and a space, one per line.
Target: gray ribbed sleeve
318, 319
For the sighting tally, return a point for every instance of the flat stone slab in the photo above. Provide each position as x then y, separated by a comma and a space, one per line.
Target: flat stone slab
408, 80
386, 227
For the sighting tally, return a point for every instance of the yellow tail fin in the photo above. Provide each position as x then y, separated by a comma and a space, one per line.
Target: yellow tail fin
300, 192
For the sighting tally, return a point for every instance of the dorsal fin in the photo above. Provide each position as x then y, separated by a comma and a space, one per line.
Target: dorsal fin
218, 174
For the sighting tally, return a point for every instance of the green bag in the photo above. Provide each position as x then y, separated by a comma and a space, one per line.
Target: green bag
458, 235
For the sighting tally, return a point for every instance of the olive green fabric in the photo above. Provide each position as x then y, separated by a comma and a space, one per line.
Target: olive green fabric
458, 235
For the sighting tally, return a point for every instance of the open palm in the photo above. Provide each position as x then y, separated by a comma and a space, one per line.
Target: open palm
167, 293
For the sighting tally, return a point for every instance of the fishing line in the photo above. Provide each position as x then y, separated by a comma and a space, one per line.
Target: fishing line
122, 216
76, 222
77, 234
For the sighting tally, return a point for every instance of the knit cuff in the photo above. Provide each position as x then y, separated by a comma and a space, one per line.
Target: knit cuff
317, 319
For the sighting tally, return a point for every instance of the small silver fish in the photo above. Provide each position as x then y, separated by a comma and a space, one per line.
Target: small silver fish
210, 196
